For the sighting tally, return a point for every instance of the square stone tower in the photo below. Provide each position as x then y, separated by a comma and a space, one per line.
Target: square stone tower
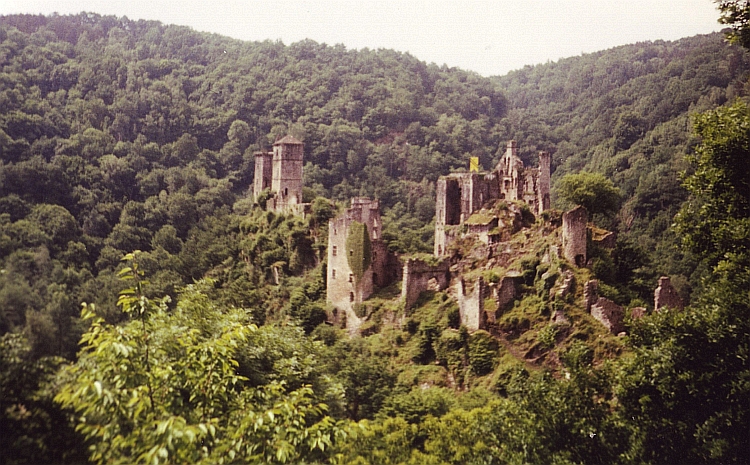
286, 176
343, 289
262, 179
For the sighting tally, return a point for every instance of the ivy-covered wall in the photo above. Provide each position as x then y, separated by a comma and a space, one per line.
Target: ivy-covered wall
359, 249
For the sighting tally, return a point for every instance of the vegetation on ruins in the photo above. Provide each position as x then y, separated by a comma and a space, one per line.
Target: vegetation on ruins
208, 345
358, 249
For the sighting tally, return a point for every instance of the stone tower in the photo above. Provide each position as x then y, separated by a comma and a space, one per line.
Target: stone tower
510, 170
344, 291
286, 177
262, 179
574, 232
543, 182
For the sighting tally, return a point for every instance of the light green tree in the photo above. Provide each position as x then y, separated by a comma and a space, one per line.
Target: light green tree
163, 388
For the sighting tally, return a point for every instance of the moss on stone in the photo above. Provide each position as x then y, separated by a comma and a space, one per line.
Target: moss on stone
359, 249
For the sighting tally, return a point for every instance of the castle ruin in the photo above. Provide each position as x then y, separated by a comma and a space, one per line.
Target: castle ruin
344, 289
281, 172
461, 194
575, 234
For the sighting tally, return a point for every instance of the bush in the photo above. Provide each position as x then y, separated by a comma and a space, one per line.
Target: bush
482, 352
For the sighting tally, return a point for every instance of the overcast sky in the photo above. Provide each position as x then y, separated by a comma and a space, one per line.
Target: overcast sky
489, 37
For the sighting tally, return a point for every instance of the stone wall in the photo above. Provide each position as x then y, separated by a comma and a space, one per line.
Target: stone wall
471, 305
574, 235
604, 310
665, 296
286, 177
263, 170
503, 292
458, 196
609, 314
543, 184
417, 278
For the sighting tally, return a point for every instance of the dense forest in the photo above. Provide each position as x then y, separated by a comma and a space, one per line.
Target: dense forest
150, 312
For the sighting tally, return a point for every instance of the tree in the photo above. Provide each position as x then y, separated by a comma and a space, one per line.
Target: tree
689, 373
593, 191
736, 13
715, 220
35, 429
159, 389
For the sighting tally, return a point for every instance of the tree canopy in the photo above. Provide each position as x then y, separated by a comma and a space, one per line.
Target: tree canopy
592, 191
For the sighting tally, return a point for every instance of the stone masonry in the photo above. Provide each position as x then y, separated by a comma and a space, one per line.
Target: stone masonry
461, 194
471, 306
605, 311
418, 276
344, 291
574, 235
665, 296
281, 171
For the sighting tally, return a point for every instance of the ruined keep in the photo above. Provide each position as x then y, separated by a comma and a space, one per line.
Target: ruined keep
461, 194
280, 171
574, 233
344, 289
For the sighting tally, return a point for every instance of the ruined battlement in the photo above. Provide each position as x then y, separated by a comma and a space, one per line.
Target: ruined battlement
461, 194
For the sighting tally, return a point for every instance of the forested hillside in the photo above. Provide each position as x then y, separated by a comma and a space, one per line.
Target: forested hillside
627, 113
119, 135
208, 345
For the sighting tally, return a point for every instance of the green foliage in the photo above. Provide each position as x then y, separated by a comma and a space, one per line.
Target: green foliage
592, 191
715, 221
546, 336
358, 249
482, 353
417, 404
35, 429
736, 14
157, 389
366, 378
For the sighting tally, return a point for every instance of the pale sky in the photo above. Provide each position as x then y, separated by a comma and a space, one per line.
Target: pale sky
489, 37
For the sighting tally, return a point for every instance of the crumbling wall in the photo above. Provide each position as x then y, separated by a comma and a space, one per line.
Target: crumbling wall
471, 306
263, 171
604, 310
543, 183
506, 290
482, 231
503, 292
417, 276
574, 235
590, 294
609, 314
665, 296
458, 196
511, 173
447, 211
